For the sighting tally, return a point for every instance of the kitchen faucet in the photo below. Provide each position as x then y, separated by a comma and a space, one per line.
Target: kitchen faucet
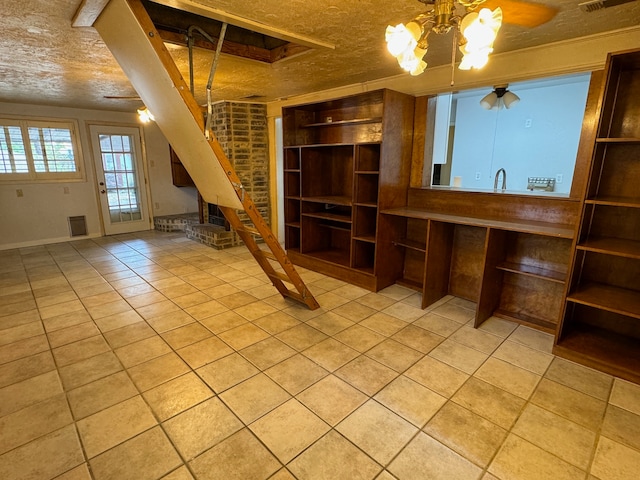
504, 179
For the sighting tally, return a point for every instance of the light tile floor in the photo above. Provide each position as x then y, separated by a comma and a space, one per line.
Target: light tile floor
150, 356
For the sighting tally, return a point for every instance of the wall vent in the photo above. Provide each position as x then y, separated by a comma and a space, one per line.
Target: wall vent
593, 5
78, 226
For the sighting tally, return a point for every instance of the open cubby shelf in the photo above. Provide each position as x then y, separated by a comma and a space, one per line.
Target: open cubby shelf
608, 297
612, 246
329, 216
353, 121
536, 272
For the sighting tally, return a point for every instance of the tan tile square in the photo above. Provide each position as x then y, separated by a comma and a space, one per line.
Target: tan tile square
186, 335
239, 457
454, 312
145, 457
331, 354
243, 336
116, 424
236, 300
159, 370
81, 472
332, 399
330, 300
169, 321
410, 400
101, 299
25, 368
23, 348
139, 300
177, 395
425, 457
354, 311
21, 427
289, 429
66, 320
61, 309
366, 375
363, 428
19, 395
532, 338
301, 337
103, 393
223, 321
565, 439
383, 324
477, 339
118, 320
622, 426
404, 312
267, 353
375, 300
176, 291
418, 338
490, 402
207, 309
394, 355
72, 334
254, 397
472, 436
396, 292
46, 457
227, 372
21, 332
359, 338
513, 379
106, 309
459, 356
498, 326
276, 322
568, 403
614, 461
581, 378
129, 334
524, 357
201, 427
437, 376
191, 299
80, 350
330, 323
49, 300
157, 308
221, 290
333, 457
626, 395
296, 373
205, 351
521, 460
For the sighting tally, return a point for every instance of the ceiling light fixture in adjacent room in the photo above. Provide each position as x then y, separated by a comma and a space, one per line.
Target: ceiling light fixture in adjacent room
499, 97
477, 32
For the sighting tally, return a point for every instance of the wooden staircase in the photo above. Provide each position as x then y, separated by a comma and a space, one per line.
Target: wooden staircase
129, 33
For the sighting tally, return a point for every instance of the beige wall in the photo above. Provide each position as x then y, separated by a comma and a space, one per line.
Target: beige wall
40, 215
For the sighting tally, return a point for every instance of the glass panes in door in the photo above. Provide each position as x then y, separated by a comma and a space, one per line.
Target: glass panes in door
119, 165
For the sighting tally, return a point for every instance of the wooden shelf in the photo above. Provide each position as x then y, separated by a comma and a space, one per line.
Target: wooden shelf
612, 246
329, 216
354, 121
292, 197
539, 323
293, 224
332, 256
615, 201
330, 199
367, 172
417, 246
618, 140
537, 228
366, 238
606, 297
536, 272
366, 204
602, 349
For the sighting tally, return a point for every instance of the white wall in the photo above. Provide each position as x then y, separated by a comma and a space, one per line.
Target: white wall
538, 137
40, 215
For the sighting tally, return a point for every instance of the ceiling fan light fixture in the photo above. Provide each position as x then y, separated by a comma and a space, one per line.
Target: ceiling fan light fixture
489, 100
479, 31
510, 99
498, 97
145, 115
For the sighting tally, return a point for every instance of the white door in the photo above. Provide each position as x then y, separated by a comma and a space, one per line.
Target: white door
117, 154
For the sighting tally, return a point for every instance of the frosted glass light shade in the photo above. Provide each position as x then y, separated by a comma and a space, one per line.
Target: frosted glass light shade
489, 100
510, 99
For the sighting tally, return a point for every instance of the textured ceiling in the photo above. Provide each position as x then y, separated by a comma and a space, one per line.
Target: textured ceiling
43, 60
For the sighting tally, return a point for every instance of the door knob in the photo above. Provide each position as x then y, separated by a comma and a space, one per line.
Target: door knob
102, 191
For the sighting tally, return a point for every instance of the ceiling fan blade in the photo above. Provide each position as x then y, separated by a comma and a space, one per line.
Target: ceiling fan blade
524, 14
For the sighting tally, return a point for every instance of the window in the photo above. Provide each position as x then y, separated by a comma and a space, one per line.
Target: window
38, 150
